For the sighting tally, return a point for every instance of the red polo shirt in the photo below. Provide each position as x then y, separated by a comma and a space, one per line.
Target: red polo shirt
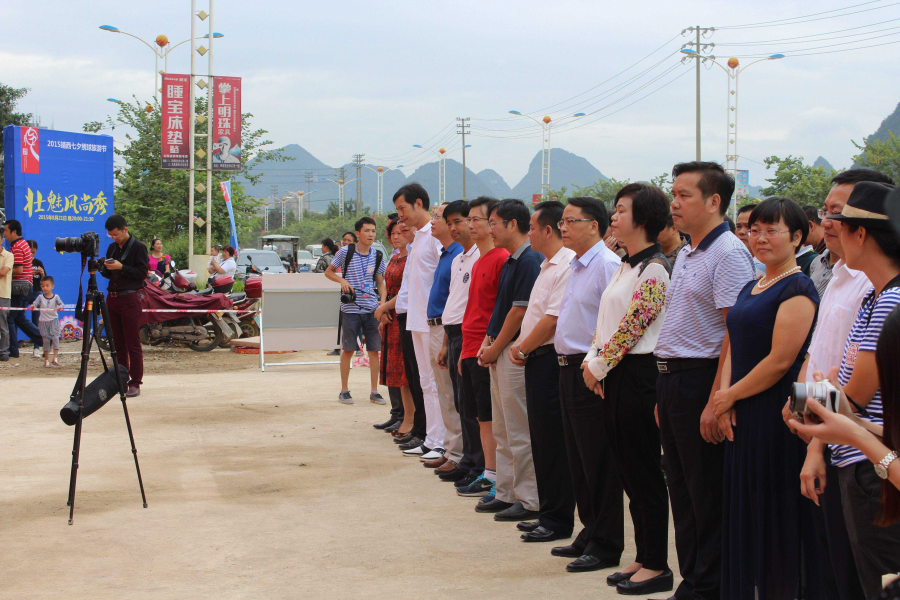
482, 295
22, 258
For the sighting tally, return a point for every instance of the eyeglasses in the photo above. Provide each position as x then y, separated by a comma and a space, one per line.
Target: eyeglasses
568, 222
766, 233
741, 226
827, 214
436, 218
471, 220
493, 224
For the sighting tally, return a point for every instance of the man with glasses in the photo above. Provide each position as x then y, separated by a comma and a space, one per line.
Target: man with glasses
742, 231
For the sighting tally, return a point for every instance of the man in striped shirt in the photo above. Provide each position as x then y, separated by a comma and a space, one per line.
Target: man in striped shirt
22, 273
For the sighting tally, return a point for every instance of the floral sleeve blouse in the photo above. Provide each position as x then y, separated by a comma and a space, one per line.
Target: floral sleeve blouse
631, 313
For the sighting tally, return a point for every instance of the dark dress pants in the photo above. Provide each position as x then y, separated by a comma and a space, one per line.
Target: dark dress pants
548, 444
125, 323
473, 454
634, 440
396, 403
595, 481
412, 376
694, 473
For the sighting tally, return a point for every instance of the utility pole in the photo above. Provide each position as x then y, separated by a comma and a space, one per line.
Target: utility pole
358, 161
462, 128
698, 48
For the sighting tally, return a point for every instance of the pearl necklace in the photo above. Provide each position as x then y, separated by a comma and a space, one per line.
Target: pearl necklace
763, 286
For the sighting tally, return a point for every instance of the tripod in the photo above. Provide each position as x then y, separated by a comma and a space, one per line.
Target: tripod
94, 307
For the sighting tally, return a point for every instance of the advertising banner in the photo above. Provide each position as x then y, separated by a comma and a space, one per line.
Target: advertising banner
226, 192
742, 185
59, 184
226, 124
175, 116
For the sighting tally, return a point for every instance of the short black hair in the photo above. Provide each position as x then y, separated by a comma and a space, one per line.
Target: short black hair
857, 175
14, 226
412, 192
457, 207
713, 180
812, 213
887, 240
115, 222
489, 203
392, 216
731, 224
512, 209
365, 221
549, 214
670, 222
351, 234
32, 243
594, 209
745, 208
776, 208
649, 207
47, 278
389, 228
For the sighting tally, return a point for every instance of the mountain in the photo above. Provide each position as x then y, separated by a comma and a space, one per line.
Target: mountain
427, 175
821, 162
566, 169
495, 182
891, 123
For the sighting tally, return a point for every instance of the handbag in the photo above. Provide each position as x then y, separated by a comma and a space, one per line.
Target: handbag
20, 287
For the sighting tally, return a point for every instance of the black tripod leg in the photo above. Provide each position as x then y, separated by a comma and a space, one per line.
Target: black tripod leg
78, 393
101, 306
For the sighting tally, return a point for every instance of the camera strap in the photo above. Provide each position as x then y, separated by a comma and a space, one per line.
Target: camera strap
79, 308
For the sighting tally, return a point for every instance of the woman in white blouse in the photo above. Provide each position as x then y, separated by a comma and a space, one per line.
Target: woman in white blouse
621, 369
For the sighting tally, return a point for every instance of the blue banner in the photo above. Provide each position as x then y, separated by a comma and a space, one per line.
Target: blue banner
59, 184
226, 191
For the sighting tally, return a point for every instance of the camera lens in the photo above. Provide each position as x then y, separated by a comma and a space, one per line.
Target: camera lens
68, 244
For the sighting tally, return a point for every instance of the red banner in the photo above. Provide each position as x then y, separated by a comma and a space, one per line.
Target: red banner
31, 150
175, 117
226, 124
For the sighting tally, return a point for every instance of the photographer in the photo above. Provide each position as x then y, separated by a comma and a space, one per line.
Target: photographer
126, 266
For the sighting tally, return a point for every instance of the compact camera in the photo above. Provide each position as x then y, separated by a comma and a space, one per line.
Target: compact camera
822, 392
88, 244
348, 298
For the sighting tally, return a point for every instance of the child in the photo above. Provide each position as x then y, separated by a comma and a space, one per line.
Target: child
49, 321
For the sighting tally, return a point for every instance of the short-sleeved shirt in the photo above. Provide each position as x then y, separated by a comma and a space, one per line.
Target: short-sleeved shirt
864, 338
482, 297
514, 288
460, 277
424, 255
7, 261
440, 289
43, 302
706, 279
23, 258
360, 275
547, 292
230, 266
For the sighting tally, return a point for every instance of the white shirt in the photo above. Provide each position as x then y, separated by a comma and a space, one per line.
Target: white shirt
403, 295
424, 254
548, 291
229, 265
460, 277
837, 312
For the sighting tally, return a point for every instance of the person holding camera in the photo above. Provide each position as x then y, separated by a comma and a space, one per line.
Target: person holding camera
362, 269
126, 266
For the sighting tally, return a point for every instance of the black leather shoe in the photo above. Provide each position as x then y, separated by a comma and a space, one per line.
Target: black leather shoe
413, 443
393, 428
617, 578
664, 582
405, 439
527, 526
384, 425
542, 534
494, 506
566, 551
467, 480
586, 562
454, 475
516, 512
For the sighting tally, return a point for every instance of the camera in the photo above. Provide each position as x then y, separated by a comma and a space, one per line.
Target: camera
822, 392
348, 297
88, 244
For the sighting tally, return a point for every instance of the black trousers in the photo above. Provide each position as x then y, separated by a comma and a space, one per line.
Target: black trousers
473, 453
548, 444
396, 403
595, 481
634, 440
412, 375
694, 472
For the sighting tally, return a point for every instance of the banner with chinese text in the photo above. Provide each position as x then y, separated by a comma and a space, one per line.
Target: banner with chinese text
175, 114
742, 185
226, 124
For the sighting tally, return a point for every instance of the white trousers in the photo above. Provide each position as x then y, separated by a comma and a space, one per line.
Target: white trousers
434, 424
452, 425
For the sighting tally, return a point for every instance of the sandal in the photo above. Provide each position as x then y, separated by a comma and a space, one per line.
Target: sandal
55, 362
47, 364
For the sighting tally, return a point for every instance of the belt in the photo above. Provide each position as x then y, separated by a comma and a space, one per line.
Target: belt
541, 350
434, 322
674, 365
570, 360
122, 293
453, 329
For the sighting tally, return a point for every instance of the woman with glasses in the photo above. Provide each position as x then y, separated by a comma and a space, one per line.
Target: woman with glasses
768, 541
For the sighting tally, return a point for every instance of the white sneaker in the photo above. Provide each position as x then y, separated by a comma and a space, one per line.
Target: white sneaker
38, 353
433, 455
417, 451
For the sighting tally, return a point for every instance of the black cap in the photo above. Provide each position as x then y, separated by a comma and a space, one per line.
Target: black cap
867, 205
893, 209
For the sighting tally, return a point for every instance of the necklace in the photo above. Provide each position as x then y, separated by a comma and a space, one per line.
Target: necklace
763, 286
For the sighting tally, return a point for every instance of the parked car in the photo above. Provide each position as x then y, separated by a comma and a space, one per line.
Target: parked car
315, 250
306, 262
265, 261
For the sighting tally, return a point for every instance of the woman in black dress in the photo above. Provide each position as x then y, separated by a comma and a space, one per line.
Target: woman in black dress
768, 542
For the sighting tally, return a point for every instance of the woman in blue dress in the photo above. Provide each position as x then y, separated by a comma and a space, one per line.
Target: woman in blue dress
768, 542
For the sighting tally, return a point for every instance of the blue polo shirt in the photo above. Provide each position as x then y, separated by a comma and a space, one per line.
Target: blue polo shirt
441, 287
514, 288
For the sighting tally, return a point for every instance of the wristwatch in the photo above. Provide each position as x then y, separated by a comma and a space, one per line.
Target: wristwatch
881, 468
522, 355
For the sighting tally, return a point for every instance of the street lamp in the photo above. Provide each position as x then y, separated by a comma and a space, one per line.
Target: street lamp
162, 50
442, 185
546, 123
380, 172
340, 183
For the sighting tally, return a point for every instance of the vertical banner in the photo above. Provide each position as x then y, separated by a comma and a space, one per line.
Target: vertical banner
31, 150
226, 192
226, 124
174, 125
742, 185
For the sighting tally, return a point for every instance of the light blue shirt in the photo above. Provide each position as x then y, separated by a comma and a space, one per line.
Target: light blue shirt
578, 313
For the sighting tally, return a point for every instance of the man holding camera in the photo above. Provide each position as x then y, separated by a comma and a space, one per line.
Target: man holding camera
126, 266
362, 269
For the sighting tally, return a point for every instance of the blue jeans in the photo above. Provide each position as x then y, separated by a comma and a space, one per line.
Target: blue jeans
19, 320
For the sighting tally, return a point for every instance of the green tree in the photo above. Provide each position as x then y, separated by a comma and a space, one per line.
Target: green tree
798, 181
9, 98
881, 155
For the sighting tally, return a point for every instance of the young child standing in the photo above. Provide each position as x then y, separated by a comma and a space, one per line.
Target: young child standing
49, 321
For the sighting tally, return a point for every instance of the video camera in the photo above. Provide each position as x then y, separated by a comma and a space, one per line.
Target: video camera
88, 244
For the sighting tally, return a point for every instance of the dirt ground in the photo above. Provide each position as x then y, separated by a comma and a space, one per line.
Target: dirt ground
260, 485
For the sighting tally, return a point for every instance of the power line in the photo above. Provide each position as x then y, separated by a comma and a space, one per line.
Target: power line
824, 39
797, 20
801, 50
811, 35
829, 51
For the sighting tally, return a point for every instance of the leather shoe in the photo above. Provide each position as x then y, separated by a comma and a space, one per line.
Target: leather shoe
406, 438
384, 425
586, 562
133, 391
456, 475
413, 443
516, 512
542, 534
664, 582
617, 578
566, 551
527, 526
434, 464
393, 428
446, 467
494, 506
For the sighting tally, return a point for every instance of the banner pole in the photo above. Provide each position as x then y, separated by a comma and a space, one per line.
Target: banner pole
191, 139
210, 115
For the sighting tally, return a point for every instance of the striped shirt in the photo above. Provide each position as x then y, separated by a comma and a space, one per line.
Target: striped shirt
864, 338
706, 279
360, 275
22, 258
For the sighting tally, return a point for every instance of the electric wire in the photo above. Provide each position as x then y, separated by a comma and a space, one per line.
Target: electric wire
807, 19
801, 51
800, 37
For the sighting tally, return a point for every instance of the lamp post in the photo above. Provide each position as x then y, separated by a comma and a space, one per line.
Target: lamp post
546, 123
340, 183
380, 172
442, 185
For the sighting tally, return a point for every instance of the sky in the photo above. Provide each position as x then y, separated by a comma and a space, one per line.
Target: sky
345, 77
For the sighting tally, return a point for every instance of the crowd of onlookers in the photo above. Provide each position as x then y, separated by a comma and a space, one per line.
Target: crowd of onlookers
545, 361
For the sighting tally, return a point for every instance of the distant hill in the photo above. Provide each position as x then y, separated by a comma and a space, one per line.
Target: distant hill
891, 123
495, 182
427, 175
821, 162
566, 169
